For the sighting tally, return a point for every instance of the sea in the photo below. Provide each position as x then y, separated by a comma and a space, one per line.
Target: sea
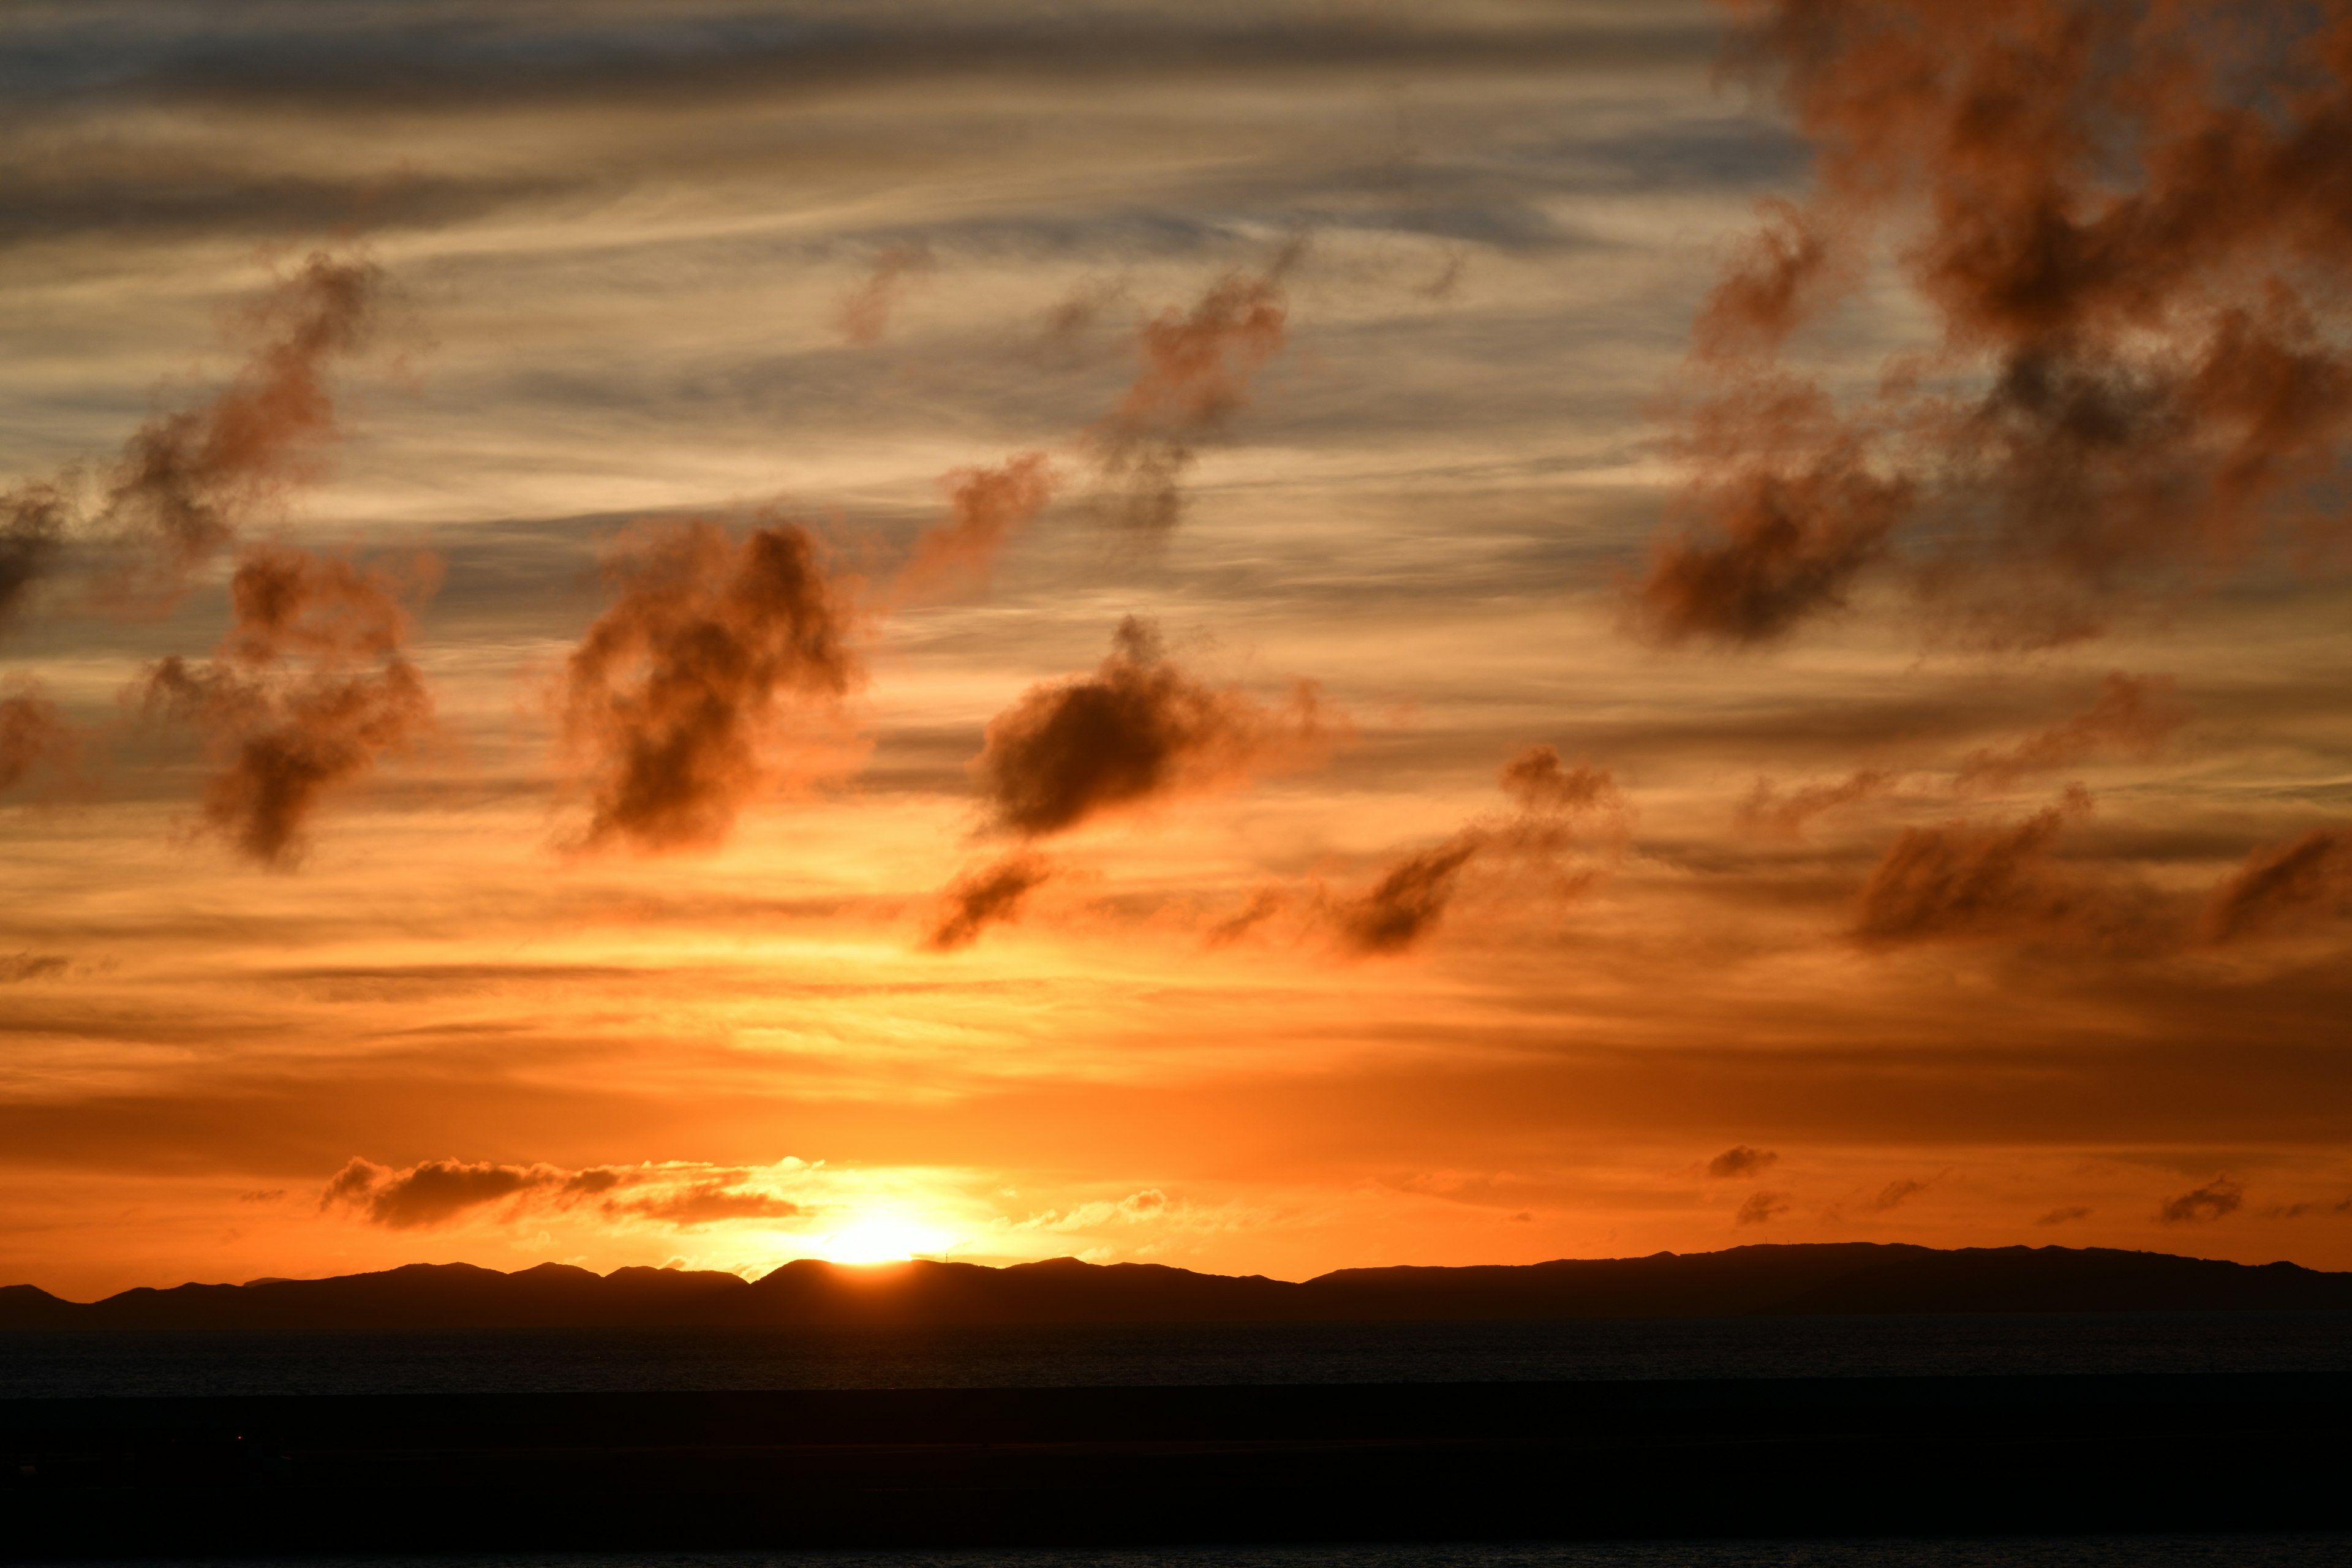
107, 1363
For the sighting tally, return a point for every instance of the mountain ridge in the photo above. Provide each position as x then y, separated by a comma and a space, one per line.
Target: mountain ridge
1826, 1279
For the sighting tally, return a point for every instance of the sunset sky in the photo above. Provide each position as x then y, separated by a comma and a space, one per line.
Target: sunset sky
1263, 637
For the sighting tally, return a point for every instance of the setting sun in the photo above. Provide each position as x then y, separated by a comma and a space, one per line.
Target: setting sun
878, 1239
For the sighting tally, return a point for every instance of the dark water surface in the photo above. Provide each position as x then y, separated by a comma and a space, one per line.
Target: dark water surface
1944, 1551
216, 1361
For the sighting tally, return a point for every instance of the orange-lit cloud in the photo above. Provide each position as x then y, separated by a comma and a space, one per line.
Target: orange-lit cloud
2122, 255
1197, 369
986, 508
185, 478
309, 689
678, 698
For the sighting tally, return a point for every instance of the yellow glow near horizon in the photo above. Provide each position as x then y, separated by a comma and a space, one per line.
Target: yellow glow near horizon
880, 1239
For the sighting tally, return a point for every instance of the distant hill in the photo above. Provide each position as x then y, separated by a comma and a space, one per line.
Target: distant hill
1842, 1277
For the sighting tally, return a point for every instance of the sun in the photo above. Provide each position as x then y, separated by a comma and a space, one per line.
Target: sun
882, 1238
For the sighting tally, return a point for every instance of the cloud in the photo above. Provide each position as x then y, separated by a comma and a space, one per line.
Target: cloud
1136, 731
185, 478
706, 1203
1783, 514
33, 523
2134, 716
1197, 369
1893, 1193
2142, 370
2066, 1215
308, 691
680, 1194
985, 896
1973, 880
1405, 904
18, 967
184, 481
1771, 813
432, 1192
678, 699
34, 736
1408, 900
864, 314
1761, 1208
986, 508
2284, 884
2216, 1198
1739, 1160
1537, 781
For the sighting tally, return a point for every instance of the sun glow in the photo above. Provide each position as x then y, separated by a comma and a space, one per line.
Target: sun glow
880, 1239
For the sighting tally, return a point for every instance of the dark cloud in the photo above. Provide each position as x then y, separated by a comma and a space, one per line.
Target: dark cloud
1408, 900
678, 699
2134, 716
184, 481
2129, 264
986, 508
1975, 880
2066, 1215
985, 896
1197, 369
864, 314
106, 192
1539, 781
186, 476
33, 522
1138, 731
311, 687
1739, 1160
2282, 885
434, 1192
1761, 1208
515, 56
1892, 1195
2215, 1200
1405, 904
1776, 815
34, 736
1259, 908
18, 967
1784, 513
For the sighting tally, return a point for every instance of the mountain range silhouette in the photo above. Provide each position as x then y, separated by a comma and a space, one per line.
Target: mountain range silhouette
1821, 1278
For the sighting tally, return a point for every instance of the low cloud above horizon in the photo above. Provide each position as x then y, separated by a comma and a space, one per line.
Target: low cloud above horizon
1262, 640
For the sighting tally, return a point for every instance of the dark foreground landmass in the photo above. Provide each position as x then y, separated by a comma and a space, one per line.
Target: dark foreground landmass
910, 1467
1842, 1278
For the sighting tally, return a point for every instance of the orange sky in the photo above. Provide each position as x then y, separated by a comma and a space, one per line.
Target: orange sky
737, 631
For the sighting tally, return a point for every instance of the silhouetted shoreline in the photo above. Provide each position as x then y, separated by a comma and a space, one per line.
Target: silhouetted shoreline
1813, 1279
